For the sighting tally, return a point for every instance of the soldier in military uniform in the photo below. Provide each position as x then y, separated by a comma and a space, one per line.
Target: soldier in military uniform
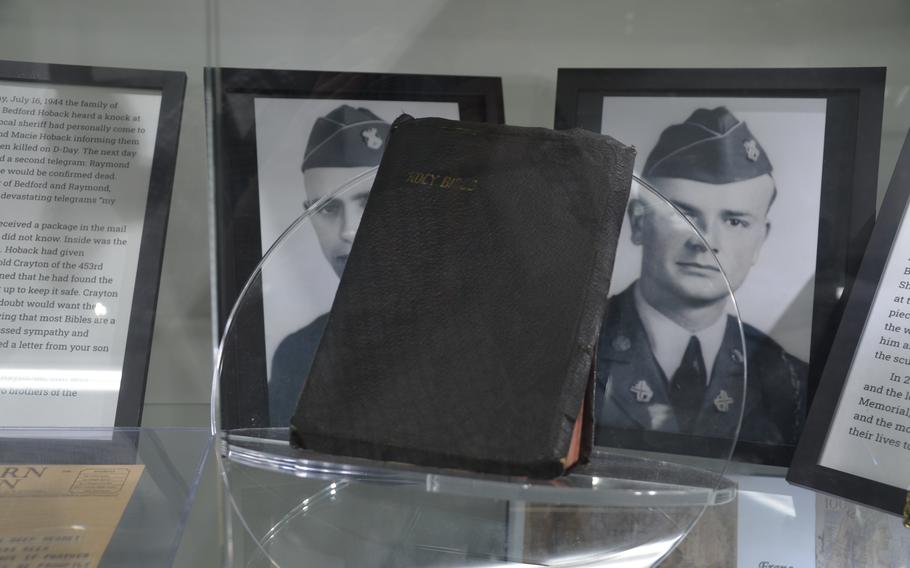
670, 358
344, 145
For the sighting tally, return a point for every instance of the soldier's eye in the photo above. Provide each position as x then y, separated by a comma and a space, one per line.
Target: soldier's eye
736, 222
332, 207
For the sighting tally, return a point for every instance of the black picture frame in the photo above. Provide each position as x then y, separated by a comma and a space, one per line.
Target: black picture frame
231, 93
853, 125
172, 86
805, 468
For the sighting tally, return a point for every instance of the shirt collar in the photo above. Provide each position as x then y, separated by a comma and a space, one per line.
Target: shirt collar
669, 340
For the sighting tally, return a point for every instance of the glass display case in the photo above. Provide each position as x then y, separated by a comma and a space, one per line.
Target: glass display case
99, 496
816, 96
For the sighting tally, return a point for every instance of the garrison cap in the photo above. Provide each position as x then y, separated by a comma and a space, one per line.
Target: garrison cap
711, 146
344, 138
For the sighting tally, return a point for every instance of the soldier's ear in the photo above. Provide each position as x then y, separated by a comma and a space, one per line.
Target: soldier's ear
636, 211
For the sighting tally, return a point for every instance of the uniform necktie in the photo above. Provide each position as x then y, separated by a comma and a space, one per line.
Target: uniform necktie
687, 387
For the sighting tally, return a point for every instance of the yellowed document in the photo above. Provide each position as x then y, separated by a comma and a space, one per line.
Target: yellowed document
61, 515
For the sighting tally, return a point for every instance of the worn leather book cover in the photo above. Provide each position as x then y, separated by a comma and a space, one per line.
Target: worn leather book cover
463, 330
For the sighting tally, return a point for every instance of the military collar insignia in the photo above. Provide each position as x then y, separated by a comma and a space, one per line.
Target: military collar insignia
371, 138
736, 355
642, 390
621, 343
723, 401
752, 151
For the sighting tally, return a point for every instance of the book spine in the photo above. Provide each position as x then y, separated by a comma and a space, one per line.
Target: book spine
617, 180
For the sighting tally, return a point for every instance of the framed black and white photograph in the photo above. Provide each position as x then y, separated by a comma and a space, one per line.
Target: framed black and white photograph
87, 158
286, 141
777, 169
856, 444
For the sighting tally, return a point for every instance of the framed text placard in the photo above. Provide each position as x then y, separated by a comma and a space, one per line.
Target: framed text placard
87, 160
856, 444
286, 141
778, 168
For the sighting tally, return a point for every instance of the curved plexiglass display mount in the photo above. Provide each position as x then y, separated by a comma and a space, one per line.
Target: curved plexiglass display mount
647, 483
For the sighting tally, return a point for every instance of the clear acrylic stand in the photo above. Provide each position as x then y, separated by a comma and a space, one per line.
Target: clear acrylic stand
637, 498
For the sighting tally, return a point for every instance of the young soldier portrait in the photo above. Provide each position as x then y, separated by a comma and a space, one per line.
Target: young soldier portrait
344, 145
670, 357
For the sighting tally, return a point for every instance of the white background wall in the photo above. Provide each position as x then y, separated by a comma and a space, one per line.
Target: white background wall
524, 41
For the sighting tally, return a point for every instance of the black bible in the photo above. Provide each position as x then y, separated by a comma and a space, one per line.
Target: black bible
462, 334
